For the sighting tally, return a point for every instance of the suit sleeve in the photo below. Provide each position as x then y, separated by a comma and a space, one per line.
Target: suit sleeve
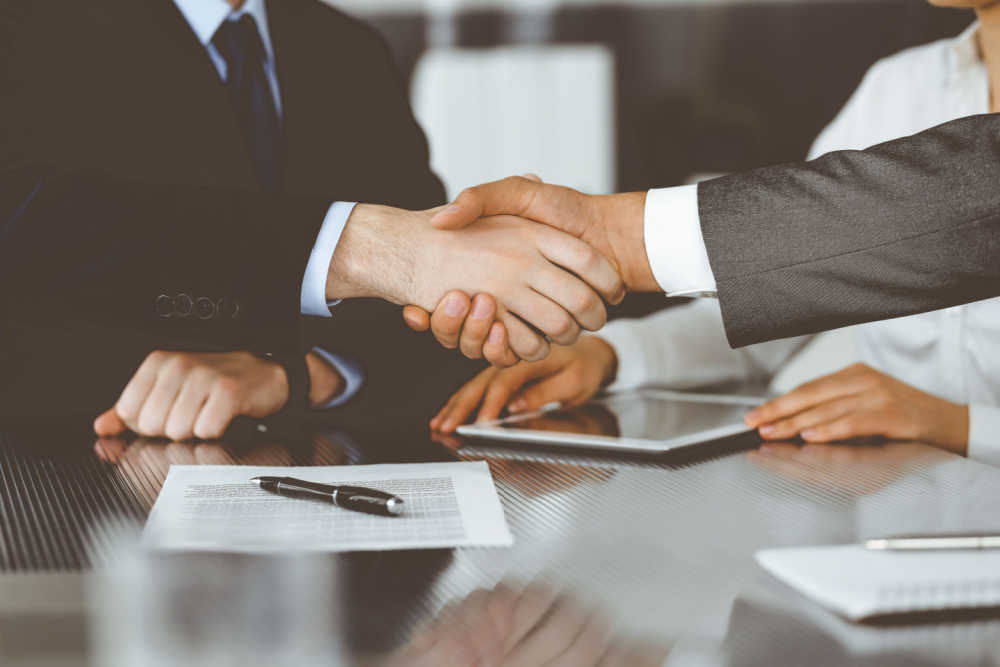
204, 264
905, 227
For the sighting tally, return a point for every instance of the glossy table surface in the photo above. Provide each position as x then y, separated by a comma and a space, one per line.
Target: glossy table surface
661, 547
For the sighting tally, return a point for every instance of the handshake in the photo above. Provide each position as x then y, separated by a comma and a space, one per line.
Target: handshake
503, 270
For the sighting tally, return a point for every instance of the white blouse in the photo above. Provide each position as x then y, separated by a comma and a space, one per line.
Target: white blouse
952, 353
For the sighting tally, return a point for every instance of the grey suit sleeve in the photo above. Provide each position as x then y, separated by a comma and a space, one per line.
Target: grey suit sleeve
904, 227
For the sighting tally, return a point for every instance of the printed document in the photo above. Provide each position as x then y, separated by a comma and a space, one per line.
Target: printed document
217, 508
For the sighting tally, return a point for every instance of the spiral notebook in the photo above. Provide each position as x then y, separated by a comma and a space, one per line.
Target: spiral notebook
862, 584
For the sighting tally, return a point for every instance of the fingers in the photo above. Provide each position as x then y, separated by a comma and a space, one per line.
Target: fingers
497, 350
462, 402
525, 342
447, 319
506, 384
133, 397
109, 424
825, 388
558, 388
820, 414
583, 260
477, 326
156, 408
854, 425
547, 316
512, 196
219, 410
184, 413
416, 318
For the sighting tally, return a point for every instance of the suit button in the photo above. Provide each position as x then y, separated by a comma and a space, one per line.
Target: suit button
183, 305
164, 306
227, 308
206, 308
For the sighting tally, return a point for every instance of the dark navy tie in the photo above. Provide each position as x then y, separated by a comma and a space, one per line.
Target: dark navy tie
240, 45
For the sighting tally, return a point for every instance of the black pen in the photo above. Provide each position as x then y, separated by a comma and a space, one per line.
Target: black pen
359, 499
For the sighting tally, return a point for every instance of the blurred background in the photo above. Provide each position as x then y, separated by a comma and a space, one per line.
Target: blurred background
612, 95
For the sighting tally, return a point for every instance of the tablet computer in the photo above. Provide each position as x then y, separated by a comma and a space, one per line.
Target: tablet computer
649, 421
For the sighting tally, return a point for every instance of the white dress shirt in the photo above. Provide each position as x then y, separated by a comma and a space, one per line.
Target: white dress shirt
952, 353
205, 17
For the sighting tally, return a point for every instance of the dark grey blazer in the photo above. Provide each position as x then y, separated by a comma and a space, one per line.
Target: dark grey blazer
904, 227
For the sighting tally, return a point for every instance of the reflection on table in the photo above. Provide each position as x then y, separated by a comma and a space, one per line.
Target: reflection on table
636, 554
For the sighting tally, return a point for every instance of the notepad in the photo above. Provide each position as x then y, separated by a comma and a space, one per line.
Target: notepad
216, 508
862, 584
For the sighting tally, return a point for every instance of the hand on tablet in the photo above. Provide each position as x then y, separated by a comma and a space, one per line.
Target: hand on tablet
570, 375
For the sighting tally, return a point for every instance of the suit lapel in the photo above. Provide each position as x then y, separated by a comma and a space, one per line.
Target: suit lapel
202, 98
309, 62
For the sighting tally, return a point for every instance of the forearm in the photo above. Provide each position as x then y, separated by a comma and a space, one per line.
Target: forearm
218, 265
904, 227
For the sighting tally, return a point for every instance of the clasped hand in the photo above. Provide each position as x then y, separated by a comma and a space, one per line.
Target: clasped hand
538, 282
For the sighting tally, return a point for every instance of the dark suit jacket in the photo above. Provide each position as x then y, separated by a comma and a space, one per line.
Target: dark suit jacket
127, 186
904, 227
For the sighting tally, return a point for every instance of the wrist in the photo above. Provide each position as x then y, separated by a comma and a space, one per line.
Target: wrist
623, 216
365, 264
954, 435
605, 356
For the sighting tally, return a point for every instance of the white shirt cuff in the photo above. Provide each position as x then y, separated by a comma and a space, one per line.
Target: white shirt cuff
351, 371
984, 434
313, 297
674, 243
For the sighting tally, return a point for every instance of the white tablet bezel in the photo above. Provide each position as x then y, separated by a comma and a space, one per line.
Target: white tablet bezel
494, 430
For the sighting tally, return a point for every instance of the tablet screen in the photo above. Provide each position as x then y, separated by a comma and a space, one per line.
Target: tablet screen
639, 416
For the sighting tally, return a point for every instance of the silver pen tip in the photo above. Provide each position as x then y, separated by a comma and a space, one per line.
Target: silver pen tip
394, 506
255, 480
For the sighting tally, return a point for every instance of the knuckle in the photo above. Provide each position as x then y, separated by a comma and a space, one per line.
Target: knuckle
585, 301
228, 387
535, 350
563, 326
588, 258
180, 363
881, 397
156, 357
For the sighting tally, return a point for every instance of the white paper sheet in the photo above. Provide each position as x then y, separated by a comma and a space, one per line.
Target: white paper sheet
216, 508
859, 583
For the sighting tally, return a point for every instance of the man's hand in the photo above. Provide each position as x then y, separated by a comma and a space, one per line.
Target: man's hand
183, 395
860, 401
612, 224
539, 276
468, 324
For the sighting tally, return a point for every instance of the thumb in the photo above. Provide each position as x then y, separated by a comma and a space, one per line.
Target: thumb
416, 318
109, 424
510, 196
